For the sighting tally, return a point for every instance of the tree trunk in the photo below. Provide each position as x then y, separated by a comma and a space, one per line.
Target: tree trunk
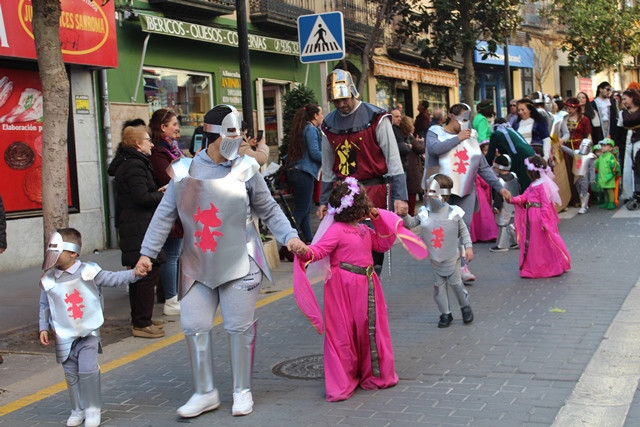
55, 90
371, 43
469, 75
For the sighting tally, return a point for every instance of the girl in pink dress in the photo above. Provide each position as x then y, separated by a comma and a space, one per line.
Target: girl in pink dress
542, 250
357, 344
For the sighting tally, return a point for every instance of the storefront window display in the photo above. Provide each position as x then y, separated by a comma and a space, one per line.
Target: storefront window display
187, 93
384, 94
438, 96
21, 116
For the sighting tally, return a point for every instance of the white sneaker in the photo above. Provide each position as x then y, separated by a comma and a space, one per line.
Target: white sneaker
76, 418
171, 306
242, 403
582, 211
92, 418
199, 403
467, 276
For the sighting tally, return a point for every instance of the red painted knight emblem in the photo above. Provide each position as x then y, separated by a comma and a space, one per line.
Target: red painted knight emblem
463, 161
205, 238
75, 301
438, 237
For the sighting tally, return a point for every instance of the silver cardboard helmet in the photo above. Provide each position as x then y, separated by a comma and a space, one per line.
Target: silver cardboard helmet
548, 103
433, 188
340, 85
585, 147
464, 118
502, 167
55, 247
231, 133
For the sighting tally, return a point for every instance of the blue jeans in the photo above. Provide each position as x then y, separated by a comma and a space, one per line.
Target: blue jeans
303, 185
169, 270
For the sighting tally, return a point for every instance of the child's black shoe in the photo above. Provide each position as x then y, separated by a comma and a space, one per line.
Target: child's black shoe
467, 314
445, 320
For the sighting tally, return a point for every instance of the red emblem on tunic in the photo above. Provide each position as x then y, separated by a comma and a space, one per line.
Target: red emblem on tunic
438, 237
578, 163
75, 300
205, 238
462, 163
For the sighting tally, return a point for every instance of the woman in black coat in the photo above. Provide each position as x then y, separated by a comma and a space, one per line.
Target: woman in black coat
137, 197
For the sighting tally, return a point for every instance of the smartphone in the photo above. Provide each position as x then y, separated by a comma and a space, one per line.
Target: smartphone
260, 135
197, 142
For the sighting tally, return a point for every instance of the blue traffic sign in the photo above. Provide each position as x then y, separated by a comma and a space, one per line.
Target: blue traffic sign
321, 37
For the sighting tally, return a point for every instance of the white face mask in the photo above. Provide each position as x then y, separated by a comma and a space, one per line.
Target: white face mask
229, 147
464, 124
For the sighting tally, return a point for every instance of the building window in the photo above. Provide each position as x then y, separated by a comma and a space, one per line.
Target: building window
438, 96
187, 93
384, 94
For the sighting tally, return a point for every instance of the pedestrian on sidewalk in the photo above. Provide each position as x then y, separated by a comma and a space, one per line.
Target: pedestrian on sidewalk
542, 250
165, 131
357, 345
71, 304
215, 195
443, 227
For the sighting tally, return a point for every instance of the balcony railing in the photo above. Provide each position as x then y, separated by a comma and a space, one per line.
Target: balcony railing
359, 17
279, 13
203, 9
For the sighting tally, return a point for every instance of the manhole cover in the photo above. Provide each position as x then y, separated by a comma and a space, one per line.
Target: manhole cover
302, 368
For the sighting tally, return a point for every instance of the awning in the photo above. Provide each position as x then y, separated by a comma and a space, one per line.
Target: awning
388, 68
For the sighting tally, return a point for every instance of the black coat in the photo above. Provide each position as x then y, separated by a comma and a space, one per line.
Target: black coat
3, 226
137, 197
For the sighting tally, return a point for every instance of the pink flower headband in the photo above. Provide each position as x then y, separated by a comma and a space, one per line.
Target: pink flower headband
347, 200
533, 167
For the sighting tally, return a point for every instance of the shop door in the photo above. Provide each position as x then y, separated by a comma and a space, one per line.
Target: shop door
269, 97
404, 97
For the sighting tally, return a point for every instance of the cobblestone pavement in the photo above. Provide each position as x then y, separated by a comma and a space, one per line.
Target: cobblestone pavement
533, 346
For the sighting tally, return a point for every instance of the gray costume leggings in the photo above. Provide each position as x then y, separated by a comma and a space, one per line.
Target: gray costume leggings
83, 356
237, 300
440, 289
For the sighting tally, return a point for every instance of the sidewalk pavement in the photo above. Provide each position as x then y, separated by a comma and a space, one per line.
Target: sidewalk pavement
560, 351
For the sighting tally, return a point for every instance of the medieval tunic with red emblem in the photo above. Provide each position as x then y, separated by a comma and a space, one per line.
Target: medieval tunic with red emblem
362, 144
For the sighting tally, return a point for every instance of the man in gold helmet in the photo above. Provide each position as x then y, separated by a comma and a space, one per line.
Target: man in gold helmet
359, 141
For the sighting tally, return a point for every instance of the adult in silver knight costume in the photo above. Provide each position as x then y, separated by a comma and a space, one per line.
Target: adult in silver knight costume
583, 171
453, 150
71, 304
505, 212
216, 194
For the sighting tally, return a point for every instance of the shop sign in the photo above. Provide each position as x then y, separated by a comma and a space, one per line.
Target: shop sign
230, 88
21, 110
519, 56
87, 31
170, 27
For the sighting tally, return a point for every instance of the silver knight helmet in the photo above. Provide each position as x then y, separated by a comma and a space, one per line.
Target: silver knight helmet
585, 147
464, 118
434, 193
229, 128
55, 247
340, 85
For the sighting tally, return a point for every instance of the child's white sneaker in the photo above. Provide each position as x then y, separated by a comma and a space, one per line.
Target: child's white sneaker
76, 418
466, 275
92, 417
242, 403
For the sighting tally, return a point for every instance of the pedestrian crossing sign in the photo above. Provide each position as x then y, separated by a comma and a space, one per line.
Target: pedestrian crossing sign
321, 37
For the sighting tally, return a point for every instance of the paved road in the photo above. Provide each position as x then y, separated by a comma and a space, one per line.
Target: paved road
563, 350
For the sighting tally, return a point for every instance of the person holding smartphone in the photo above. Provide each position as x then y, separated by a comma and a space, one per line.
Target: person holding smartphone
254, 147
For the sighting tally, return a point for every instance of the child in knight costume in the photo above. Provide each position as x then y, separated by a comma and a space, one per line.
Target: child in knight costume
215, 195
583, 171
504, 212
71, 304
542, 250
442, 228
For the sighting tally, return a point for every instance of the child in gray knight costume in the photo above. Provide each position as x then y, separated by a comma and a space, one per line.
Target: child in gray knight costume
71, 303
583, 171
504, 212
442, 229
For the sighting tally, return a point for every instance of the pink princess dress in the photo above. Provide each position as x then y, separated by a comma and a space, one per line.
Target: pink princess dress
483, 222
542, 250
357, 344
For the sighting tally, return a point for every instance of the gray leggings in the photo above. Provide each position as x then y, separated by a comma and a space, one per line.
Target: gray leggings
441, 287
83, 357
237, 300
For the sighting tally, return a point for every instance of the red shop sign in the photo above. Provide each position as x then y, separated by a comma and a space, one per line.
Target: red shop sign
87, 31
